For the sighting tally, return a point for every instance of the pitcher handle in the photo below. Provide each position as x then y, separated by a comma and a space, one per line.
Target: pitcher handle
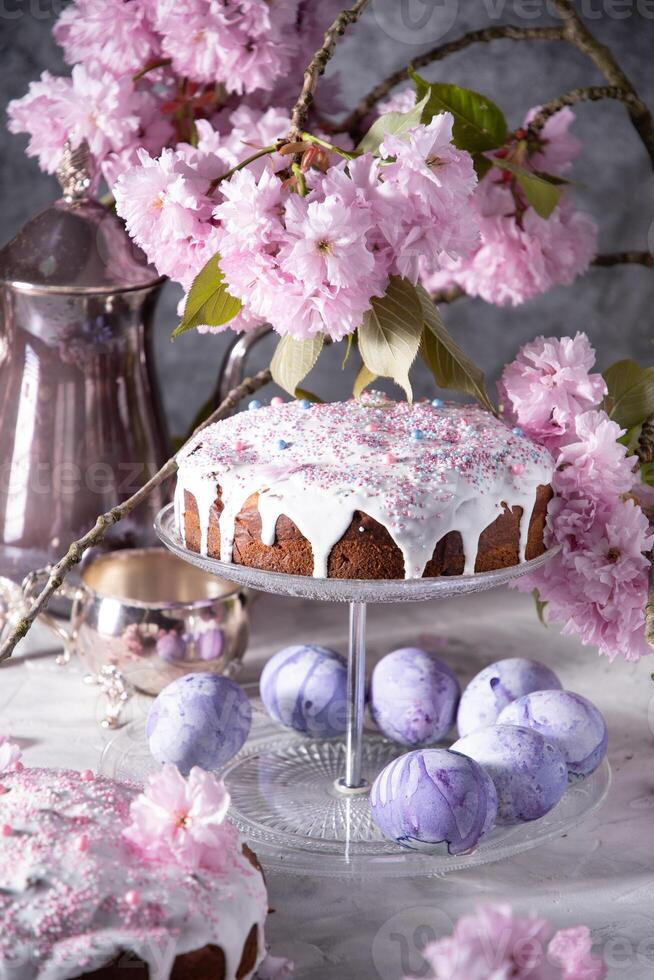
64, 632
232, 370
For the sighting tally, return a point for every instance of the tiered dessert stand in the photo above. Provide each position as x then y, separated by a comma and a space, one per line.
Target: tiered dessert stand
303, 802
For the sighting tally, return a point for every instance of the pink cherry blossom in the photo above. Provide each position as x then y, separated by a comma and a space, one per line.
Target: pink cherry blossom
571, 950
183, 820
113, 33
92, 105
592, 463
548, 384
521, 254
10, 754
494, 942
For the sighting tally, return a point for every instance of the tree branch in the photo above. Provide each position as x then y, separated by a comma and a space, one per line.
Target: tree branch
97, 533
318, 64
577, 33
510, 32
593, 93
624, 258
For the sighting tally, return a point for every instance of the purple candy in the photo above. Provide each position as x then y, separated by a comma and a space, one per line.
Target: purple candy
496, 686
304, 687
569, 720
529, 772
199, 720
413, 697
434, 800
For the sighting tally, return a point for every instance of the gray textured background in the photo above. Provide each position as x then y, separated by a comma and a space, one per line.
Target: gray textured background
614, 174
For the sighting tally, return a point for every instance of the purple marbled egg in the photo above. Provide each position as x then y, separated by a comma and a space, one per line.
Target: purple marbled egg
529, 771
304, 687
434, 800
413, 697
569, 720
496, 686
199, 720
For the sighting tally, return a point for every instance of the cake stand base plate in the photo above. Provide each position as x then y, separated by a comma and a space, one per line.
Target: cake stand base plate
287, 804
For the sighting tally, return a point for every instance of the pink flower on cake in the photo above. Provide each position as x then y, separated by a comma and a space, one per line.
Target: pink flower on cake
10, 754
183, 820
494, 942
549, 384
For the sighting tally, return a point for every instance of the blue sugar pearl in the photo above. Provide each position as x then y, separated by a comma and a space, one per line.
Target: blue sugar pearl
417, 434
305, 403
282, 444
437, 402
255, 403
517, 431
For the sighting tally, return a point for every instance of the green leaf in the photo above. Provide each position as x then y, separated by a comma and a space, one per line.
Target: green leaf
482, 165
293, 359
309, 395
362, 380
208, 301
389, 337
542, 193
348, 349
451, 368
647, 473
391, 124
630, 398
541, 606
478, 123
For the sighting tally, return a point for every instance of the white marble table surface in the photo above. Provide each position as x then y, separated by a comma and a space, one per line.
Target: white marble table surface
602, 874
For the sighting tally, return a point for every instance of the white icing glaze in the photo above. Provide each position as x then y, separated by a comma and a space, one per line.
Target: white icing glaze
457, 476
63, 911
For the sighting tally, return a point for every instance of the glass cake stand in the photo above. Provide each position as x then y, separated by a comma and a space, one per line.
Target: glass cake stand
302, 802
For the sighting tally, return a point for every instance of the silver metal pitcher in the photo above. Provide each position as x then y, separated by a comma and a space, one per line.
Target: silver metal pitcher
81, 427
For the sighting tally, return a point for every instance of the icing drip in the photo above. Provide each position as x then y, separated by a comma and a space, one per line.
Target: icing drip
73, 894
419, 470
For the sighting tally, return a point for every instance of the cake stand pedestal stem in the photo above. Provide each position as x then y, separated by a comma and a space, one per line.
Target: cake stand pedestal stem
356, 697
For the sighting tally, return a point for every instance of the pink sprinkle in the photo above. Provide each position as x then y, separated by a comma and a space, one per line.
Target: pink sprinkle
87, 776
389, 459
239, 446
82, 843
5, 830
18, 766
3, 789
276, 400
132, 898
517, 469
371, 427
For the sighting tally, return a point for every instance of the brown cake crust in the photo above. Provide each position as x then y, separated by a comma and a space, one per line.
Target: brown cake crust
367, 554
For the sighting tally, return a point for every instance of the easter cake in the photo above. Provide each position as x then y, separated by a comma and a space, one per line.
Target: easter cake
100, 880
368, 489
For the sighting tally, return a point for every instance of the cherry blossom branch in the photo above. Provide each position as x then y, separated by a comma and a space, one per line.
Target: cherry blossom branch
97, 533
263, 152
623, 258
510, 32
592, 93
576, 32
649, 608
152, 66
318, 64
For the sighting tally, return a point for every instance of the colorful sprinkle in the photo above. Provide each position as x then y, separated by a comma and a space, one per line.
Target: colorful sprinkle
417, 435
437, 402
304, 403
5, 830
372, 427
517, 469
82, 843
3, 790
87, 776
517, 431
239, 445
276, 401
390, 459
254, 404
132, 898
282, 444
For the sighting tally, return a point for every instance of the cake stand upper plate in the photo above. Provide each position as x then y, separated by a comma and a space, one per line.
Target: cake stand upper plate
341, 590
